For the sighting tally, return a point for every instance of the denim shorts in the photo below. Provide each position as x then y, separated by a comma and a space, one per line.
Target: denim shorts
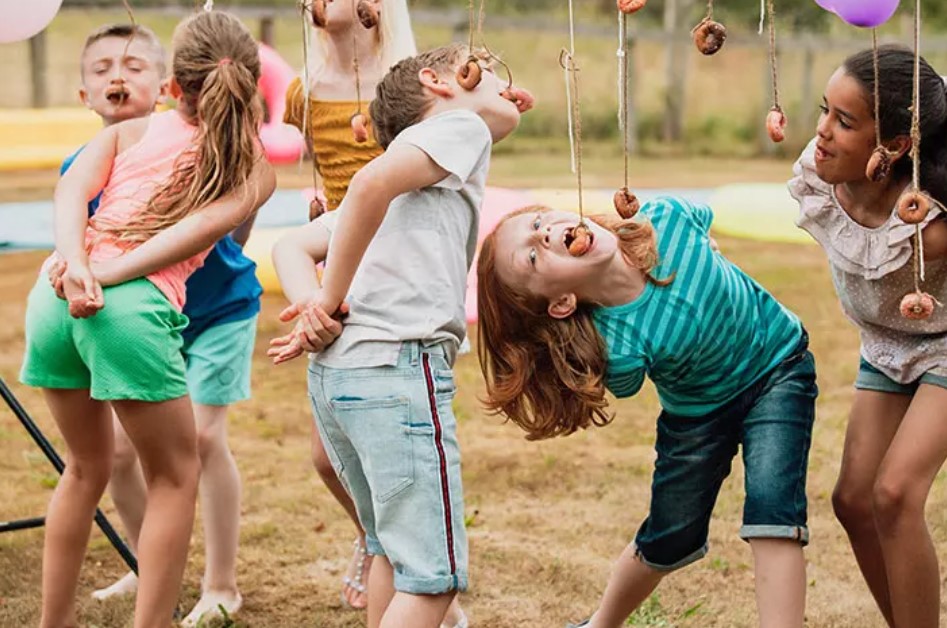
391, 436
870, 378
772, 420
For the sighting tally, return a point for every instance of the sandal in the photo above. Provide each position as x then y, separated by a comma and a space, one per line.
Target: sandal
355, 580
461, 623
582, 624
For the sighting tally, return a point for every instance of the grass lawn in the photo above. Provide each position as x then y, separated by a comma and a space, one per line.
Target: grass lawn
546, 519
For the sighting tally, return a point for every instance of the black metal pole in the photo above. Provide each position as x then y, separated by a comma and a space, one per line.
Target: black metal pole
22, 524
43, 443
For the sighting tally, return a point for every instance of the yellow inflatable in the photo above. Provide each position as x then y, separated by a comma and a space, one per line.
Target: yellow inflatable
42, 138
259, 248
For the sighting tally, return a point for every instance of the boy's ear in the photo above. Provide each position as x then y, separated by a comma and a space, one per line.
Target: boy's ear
431, 81
163, 90
563, 307
84, 98
174, 90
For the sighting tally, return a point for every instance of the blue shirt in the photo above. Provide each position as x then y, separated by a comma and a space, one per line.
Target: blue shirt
704, 338
224, 290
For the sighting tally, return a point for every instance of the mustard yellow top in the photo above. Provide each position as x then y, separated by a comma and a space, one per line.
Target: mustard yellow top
338, 156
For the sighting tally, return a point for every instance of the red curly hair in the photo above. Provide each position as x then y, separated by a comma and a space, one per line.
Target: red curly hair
547, 375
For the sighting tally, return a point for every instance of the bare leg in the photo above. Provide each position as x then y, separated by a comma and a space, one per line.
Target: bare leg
904, 481
780, 569
128, 491
356, 575
874, 420
630, 584
220, 510
86, 427
164, 436
381, 590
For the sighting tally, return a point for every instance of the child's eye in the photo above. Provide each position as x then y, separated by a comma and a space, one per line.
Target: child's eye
823, 109
537, 223
532, 257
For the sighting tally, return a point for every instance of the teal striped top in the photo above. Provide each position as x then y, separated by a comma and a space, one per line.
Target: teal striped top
704, 338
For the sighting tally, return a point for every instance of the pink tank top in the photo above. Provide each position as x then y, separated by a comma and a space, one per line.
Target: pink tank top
136, 173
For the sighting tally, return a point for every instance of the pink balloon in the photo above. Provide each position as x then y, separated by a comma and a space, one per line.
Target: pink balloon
22, 19
865, 13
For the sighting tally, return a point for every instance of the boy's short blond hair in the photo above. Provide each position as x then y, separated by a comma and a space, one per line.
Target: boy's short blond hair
128, 31
400, 99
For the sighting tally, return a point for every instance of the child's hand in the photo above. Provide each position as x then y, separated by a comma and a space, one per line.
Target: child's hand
714, 246
82, 291
314, 331
523, 100
55, 272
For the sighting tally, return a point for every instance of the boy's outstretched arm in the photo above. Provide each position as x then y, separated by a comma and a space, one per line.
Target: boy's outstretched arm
193, 234
403, 168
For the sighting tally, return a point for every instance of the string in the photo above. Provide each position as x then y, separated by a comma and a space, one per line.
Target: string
916, 144
772, 51
567, 61
307, 46
622, 89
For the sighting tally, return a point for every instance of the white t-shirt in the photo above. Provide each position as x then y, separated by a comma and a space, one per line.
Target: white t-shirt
411, 283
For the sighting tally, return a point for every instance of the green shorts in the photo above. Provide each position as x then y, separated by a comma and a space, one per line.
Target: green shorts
219, 361
131, 349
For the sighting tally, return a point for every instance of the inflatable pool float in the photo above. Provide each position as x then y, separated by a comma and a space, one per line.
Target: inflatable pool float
758, 211
37, 139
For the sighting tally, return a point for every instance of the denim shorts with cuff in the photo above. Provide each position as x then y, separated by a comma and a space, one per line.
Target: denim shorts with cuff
772, 420
870, 378
391, 436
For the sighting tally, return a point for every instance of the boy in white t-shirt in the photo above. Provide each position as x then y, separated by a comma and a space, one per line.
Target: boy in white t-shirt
402, 244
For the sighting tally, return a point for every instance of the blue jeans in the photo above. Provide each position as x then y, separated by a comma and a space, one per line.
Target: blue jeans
391, 436
773, 420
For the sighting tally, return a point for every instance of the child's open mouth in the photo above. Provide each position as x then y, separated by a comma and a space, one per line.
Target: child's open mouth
116, 93
578, 240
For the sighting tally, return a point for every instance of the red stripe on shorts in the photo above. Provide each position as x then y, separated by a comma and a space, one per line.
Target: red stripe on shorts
442, 462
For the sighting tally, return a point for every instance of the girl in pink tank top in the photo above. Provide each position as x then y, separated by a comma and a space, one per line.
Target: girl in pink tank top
174, 183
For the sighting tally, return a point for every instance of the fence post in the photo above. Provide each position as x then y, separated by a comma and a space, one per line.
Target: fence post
807, 109
675, 70
631, 91
40, 94
266, 30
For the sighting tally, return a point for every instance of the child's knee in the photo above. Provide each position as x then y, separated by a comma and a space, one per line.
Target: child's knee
93, 473
894, 499
852, 505
211, 440
125, 456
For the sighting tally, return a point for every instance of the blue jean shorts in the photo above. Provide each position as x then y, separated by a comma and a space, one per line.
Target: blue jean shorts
772, 420
218, 363
391, 436
870, 378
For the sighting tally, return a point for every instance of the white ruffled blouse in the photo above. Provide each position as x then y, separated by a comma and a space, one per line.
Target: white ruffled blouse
872, 269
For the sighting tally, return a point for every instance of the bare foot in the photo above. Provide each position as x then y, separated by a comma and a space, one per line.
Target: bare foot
354, 589
209, 606
125, 585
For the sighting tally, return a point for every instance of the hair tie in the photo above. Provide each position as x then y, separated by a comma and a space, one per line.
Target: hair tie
224, 61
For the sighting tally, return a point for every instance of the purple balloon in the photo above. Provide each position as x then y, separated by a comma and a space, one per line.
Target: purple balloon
864, 13
828, 5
